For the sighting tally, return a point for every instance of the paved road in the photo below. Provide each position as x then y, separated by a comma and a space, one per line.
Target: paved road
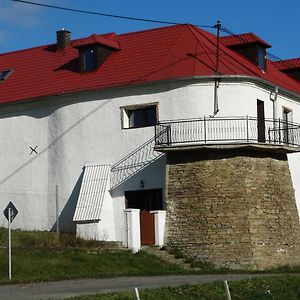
70, 288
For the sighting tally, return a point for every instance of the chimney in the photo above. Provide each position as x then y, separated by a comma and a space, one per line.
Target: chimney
63, 38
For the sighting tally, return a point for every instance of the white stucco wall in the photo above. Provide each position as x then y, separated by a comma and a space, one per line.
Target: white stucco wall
71, 131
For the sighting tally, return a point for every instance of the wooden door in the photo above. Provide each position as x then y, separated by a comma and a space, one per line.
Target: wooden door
261, 137
147, 228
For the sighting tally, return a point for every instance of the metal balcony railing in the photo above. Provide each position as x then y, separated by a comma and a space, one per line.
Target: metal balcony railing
227, 131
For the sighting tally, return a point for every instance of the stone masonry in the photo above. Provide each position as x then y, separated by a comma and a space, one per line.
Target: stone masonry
232, 208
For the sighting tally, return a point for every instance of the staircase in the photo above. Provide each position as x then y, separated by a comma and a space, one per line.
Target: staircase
134, 162
167, 257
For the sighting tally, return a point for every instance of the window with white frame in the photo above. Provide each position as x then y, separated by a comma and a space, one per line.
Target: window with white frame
136, 116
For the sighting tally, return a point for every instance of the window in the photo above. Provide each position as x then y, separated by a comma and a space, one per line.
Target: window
139, 116
261, 59
88, 57
5, 74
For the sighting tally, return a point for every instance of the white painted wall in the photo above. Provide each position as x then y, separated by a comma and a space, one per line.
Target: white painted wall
71, 131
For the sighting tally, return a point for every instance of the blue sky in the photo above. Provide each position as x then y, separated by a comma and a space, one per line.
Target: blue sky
276, 21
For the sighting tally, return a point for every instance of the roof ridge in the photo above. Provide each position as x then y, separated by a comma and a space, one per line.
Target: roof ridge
154, 29
97, 34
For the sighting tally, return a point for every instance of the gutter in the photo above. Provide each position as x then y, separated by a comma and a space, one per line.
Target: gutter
212, 78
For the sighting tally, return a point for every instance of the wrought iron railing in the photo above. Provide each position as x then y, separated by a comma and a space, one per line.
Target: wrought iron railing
227, 130
134, 162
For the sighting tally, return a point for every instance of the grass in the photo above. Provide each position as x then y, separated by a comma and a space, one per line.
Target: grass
41, 256
201, 267
48, 265
44, 256
271, 288
45, 239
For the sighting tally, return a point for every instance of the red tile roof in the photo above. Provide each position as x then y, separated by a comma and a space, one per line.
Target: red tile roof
108, 40
146, 56
287, 64
243, 39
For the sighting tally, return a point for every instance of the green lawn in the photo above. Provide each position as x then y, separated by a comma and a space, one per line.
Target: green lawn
270, 288
47, 265
42, 256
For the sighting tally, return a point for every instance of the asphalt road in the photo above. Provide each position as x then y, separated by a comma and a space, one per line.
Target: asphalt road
70, 288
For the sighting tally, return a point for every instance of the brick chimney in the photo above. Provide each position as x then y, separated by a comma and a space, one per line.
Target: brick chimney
63, 38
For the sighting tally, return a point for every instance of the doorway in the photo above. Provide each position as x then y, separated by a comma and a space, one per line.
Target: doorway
261, 137
146, 201
286, 118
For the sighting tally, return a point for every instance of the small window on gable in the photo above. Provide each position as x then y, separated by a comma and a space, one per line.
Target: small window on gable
139, 116
4, 74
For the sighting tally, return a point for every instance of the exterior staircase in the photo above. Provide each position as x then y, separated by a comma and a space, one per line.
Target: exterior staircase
167, 257
134, 162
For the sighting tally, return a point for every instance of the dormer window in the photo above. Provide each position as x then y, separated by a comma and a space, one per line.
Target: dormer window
88, 59
4, 74
94, 50
250, 46
92, 56
261, 58
290, 67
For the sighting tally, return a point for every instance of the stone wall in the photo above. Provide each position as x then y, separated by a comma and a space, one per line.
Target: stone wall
233, 208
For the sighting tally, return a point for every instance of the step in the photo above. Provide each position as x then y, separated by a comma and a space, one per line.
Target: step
168, 257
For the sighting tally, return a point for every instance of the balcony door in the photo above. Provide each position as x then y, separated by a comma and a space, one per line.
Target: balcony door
261, 137
286, 118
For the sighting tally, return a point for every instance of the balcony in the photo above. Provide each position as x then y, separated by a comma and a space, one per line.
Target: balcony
227, 131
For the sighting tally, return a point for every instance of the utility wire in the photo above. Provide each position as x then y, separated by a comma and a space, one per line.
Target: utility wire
106, 15
271, 56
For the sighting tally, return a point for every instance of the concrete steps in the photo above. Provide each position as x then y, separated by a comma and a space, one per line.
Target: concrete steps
166, 256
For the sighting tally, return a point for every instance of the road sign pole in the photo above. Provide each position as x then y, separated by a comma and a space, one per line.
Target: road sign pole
10, 213
9, 243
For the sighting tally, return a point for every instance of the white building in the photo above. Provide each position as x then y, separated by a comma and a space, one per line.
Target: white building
77, 122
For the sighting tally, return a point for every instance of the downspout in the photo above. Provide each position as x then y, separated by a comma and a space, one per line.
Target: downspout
216, 102
273, 98
217, 80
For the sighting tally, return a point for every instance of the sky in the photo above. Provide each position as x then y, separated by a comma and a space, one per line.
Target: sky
24, 26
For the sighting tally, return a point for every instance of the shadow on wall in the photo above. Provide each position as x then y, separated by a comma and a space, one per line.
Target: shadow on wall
151, 175
46, 106
65, 218
134, 162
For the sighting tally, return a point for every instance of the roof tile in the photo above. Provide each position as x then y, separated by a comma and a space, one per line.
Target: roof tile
243, 39
159, 54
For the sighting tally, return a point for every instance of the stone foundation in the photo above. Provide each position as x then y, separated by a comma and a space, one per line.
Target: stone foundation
233, 208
